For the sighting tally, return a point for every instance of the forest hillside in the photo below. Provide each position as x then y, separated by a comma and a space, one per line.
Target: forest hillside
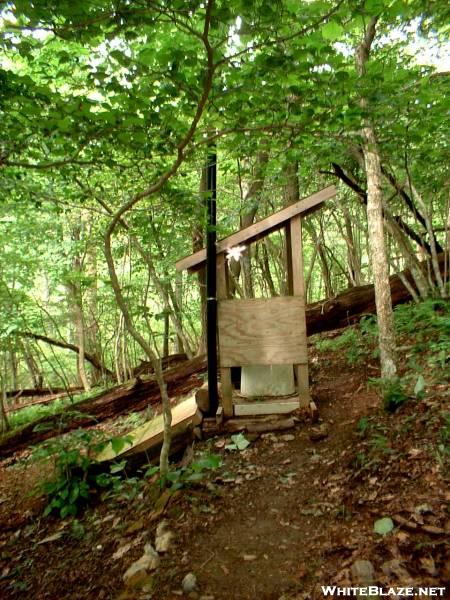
136, 137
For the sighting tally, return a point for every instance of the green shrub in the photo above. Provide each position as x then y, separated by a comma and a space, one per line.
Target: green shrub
186, 476
74, 481
393, 392
355, 344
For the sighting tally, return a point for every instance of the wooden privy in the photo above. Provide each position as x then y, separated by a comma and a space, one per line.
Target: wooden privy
263, 331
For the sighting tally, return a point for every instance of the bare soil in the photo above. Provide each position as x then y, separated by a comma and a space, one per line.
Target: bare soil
277, 521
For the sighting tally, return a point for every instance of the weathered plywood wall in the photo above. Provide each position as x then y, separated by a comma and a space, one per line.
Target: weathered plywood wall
262, 331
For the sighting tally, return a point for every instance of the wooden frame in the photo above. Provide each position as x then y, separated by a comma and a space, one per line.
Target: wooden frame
254, 232
264, 331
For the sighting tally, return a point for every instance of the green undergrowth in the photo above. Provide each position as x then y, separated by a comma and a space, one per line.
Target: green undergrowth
358, 343
423, 347
78, 479
37, 412
75, 479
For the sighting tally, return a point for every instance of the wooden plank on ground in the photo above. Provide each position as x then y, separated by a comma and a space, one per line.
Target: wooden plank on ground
262, 331
151, 434
261, 228
267, 407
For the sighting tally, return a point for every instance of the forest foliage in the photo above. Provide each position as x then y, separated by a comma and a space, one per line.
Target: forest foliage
108, 110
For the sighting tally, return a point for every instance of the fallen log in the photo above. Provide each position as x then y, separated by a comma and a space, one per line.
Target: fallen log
353, 304
41, 400
31, 392
133, 396
150, 436
342, 310
146, 367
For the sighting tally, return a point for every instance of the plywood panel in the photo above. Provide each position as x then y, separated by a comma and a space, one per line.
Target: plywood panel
262, 331
261, 228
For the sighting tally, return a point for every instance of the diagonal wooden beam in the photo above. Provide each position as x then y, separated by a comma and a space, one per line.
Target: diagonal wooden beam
250, 234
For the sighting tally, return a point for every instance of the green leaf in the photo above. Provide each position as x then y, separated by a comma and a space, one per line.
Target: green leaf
74, 493
68, 509
118, 444
194, 477
147, 56
211, 461
117, 467
151, 471
332, 31
383, 526
419, 387
64, 124
240, 441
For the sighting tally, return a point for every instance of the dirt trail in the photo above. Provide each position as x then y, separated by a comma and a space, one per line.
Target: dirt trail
270, 531
277, 521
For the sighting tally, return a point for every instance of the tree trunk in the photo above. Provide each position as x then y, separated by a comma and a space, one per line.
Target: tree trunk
380, 267
318, 243
146, 347
4, 423
92, 330
353, 256
32, 367
251, 186
166, 335
67, 346
76, 308
179, 345
432, 238
75, 303
198, 244
399, 230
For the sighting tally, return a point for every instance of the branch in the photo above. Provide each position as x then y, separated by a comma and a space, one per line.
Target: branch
363, 50
61, 344
286, 38
417, 238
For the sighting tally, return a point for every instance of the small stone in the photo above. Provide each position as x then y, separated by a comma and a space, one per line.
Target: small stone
395, 567
319, 433
189, 583
249, 557
288, 437
163, 537
137, 574
362, 572
269, 436
423, 509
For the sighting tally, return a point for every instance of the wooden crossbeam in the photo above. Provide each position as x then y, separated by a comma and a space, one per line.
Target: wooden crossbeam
250, 234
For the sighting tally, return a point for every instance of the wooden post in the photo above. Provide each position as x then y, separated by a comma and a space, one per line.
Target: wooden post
225, 372
297, 288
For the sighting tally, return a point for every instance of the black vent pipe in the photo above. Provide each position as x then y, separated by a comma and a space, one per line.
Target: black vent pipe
211, 284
